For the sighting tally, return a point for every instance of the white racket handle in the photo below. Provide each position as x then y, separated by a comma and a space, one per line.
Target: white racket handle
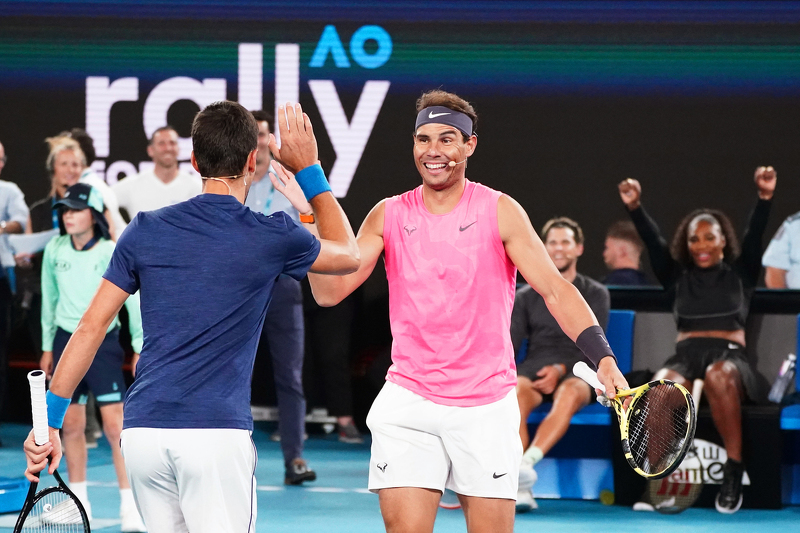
41, 435
697, 392
588, 375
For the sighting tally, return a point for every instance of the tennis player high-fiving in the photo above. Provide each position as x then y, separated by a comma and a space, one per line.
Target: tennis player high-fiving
205, 269
448, 415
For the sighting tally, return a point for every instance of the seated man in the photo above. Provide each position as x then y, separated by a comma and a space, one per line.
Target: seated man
782, 259
546, 372
622, 255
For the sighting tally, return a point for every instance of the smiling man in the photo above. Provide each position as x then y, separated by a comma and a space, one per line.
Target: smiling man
447, 416
545, 375
165, 184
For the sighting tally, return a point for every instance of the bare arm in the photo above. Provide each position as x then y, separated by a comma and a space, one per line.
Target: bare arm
330, 290
775, 278
298, 151
563, 300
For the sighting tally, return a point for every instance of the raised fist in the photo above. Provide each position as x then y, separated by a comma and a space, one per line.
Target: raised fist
766, 178
630, 191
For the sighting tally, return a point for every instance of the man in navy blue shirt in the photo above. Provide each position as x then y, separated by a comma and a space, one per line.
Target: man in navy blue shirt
205, 269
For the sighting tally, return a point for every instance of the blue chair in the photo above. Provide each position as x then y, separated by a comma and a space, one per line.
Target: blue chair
790, 415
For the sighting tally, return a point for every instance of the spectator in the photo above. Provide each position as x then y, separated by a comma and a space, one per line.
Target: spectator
71, 272
622, 255
283, 335
546, 372
13, 217
782, 258
88, 175
328, 335
166, 184
712, 284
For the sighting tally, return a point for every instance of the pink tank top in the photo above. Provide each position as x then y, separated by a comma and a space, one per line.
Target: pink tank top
451, 291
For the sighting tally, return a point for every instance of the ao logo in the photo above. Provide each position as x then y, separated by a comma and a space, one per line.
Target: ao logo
347, 137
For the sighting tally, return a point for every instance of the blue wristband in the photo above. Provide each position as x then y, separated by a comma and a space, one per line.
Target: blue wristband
312, 181
56, 409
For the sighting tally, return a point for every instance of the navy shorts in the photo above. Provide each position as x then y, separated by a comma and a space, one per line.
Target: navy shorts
104, 378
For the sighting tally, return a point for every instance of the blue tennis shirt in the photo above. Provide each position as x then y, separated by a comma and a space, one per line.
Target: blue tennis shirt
205, 269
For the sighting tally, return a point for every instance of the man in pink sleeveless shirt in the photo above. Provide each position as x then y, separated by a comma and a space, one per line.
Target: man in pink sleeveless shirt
448, 415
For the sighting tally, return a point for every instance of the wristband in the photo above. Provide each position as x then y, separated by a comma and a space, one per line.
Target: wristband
592, 342
307, 219
312, 181
56, 409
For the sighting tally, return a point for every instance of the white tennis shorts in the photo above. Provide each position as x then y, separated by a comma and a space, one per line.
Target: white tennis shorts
198, 480
474, 451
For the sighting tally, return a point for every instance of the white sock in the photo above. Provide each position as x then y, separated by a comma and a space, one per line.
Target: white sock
126, 500
533, 455
78, 488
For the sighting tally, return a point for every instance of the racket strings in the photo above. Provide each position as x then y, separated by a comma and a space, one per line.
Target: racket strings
659, 428
54, 512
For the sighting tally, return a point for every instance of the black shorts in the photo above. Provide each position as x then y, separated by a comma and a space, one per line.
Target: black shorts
530, 366
693, 356
104, 378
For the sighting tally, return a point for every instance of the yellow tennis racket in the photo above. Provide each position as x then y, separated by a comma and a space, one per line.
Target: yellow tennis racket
656, 422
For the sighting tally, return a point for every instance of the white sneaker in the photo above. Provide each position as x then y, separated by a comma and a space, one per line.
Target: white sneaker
525, 501
130, 520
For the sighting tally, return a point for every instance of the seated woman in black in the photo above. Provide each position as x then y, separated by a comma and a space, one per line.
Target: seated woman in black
712, 284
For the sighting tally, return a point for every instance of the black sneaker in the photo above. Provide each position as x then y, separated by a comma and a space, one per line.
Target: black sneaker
349, 433
729, 499
298, 472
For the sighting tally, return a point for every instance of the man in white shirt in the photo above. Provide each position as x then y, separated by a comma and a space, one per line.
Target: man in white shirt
164, 185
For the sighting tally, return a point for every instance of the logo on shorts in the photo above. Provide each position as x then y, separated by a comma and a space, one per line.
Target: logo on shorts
382, 467
496, 475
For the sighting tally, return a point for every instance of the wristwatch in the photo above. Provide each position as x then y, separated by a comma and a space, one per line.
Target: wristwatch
305, 219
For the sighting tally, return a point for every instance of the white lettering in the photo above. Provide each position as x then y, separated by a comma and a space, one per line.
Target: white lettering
100, 96
287, 78
349, 140
173, 90
251, 66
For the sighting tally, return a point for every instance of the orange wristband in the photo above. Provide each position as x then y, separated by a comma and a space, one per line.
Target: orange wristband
307, 219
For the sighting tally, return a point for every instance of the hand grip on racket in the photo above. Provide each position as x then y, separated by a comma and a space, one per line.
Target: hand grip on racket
53, 509
656, 423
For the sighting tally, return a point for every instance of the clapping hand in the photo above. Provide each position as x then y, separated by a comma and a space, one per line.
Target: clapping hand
298, 148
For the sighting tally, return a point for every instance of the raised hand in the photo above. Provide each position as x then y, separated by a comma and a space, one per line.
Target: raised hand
630, 191
766, 178
298, 148
284, 182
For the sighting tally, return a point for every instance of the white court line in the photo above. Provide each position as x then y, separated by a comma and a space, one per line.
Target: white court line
333, 490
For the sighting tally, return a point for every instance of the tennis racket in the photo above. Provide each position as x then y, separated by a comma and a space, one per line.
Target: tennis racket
53, 509
656, 423
673, 496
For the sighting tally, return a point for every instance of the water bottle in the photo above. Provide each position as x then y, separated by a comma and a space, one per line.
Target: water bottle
785, 382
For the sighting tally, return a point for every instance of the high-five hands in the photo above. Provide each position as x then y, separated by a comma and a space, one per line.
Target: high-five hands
284, 182
766, 178
298, 148
630, 191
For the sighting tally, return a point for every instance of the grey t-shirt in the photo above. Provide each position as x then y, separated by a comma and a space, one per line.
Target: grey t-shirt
547, 343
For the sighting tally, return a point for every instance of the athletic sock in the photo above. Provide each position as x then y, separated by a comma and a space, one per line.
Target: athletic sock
533, 455
126, 500
78, 488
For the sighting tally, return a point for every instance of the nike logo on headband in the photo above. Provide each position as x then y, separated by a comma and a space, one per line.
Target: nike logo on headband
434, 115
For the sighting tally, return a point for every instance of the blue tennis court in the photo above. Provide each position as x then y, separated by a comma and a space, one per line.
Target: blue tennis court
339, 502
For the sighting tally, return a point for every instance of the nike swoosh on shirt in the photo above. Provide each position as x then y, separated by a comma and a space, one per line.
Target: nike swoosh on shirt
434, 115
462, 228
496, 476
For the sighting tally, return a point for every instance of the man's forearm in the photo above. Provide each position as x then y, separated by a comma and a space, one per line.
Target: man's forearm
77, 358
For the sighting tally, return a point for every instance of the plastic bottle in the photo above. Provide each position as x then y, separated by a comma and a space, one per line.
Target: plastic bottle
785, 382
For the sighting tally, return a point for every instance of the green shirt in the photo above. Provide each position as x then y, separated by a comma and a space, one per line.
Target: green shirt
70, 279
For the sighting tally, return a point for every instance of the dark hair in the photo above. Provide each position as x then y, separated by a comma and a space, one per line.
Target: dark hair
563, 222
452, 101
159, 130
85, 141
263, 116
679, 248
223, 135
624, 230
